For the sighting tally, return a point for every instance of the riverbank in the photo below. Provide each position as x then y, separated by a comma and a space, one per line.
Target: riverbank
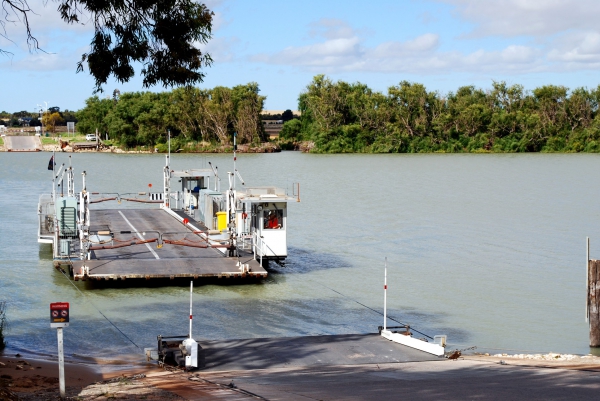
28, 378
469, 377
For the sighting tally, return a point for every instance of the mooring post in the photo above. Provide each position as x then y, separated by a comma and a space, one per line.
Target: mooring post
587, 279
593, 301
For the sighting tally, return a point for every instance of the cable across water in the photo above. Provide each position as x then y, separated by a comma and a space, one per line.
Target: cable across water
99, 311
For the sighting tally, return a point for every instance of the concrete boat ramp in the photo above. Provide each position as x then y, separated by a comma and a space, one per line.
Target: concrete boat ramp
286, 352
135, 252
360, 367
22, 143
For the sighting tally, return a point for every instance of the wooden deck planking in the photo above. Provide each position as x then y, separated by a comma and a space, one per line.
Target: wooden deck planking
170, 261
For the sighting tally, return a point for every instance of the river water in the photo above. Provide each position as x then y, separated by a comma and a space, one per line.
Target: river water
488, 249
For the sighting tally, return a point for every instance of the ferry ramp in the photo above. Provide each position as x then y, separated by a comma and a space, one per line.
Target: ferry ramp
182, 255
285, 352
22, 143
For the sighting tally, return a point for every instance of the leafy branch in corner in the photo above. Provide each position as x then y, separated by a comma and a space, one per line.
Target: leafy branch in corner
163, 35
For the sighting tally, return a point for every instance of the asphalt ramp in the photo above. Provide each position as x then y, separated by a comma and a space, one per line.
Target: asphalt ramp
345, 349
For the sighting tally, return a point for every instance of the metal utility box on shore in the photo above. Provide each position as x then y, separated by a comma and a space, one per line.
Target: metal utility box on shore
179, 350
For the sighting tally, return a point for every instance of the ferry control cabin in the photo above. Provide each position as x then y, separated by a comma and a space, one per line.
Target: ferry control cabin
256, 217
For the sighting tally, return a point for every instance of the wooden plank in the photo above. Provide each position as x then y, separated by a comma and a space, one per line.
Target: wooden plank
594, 302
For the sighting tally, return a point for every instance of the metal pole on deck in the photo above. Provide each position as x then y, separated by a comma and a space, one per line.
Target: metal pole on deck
385, 296
234, 155
167, 174
53, 176
191, 315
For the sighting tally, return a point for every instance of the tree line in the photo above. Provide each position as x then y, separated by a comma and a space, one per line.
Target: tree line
342, 117
49, 119
191, 116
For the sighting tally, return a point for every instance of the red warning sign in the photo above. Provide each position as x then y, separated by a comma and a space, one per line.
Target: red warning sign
59, 314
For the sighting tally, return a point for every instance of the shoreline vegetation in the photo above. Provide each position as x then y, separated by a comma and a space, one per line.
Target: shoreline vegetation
341, 117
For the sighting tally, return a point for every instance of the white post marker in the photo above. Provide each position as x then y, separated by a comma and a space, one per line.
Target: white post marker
191, 315
435, 348
59, 318
191, 346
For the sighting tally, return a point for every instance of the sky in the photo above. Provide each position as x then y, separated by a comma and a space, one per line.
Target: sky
282, 45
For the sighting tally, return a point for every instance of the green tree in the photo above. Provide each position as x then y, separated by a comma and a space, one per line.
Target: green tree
51, 120
411, 108
248, 105
92, 116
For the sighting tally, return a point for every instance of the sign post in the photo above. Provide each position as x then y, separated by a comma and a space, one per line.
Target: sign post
59, 318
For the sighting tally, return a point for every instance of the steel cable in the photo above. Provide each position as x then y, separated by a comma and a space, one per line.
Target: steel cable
374, 310
99, 311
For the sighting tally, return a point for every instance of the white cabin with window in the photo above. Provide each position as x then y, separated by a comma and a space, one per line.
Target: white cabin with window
261, 220
193, 182
252, 219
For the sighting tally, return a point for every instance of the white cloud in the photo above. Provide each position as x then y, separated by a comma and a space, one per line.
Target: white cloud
330, 28
342, 50
341, 46
222, 50
511, 59
577, 50
550, 37
511, 18
421, 44
64, 59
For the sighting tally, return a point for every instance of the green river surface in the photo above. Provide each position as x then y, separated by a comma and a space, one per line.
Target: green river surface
488, 249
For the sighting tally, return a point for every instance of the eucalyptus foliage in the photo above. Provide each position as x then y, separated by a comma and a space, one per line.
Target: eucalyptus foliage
343, 117
210, 116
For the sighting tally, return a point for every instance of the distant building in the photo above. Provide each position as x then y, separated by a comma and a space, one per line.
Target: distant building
280, 112
25, 121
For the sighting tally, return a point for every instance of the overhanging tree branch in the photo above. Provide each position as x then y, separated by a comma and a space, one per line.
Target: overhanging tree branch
163, 35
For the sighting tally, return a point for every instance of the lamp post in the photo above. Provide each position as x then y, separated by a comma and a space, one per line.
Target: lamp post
41, 120
42, 111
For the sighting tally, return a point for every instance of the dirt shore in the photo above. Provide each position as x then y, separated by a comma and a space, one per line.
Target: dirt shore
35, 379
548, 376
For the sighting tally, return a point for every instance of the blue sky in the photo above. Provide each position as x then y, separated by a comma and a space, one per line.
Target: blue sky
443, 44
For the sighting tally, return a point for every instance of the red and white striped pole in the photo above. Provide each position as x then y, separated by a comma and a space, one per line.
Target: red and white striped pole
385, 296
191, 292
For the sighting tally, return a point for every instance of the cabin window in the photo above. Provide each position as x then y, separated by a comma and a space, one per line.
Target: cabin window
273, 219
194, 185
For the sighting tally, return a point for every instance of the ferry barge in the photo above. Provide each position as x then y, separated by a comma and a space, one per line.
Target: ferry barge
196, 231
